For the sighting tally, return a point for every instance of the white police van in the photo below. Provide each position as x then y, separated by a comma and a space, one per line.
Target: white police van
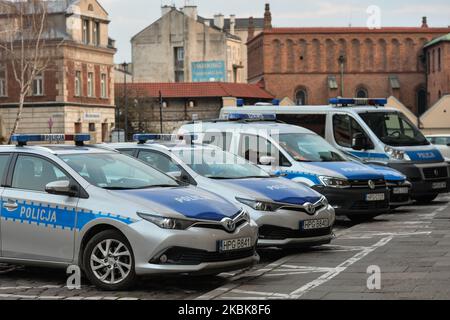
112, 215
353, 189
367, 129
288, 214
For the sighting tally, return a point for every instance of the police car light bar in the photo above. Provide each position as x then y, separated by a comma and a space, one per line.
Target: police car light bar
23, 139
379, 102
251, 117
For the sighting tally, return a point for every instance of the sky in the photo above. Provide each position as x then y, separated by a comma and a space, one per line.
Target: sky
128, 17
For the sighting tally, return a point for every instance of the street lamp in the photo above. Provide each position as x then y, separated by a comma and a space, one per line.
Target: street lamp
341, 60
125, 68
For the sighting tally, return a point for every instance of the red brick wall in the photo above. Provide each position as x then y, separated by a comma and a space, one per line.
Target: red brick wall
303, 57
439, 78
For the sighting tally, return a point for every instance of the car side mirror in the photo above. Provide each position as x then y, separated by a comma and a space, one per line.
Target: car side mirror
359, 142
61, 188
179, 176
267, 161
448, 144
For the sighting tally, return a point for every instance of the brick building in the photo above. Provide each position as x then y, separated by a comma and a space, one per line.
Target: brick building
181, 102
76, 92
311, 65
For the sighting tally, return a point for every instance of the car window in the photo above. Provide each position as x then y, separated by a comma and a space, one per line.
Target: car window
252, 148
345, 128
158, 161
3, 163
313, 122
34, 173
129, 152
218, 139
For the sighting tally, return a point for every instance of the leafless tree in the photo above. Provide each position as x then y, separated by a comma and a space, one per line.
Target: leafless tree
26, 44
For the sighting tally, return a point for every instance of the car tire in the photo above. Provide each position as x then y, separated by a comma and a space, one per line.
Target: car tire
426, 199
109, 255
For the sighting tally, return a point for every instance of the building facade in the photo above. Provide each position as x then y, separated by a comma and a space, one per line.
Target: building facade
179, 102
311, 65
76, 92
182, 46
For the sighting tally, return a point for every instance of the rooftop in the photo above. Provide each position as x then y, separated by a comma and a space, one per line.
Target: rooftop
444, 38
197, 90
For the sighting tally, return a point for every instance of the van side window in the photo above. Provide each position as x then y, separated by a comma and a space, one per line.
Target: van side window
218, 139
345, 128
252, 148
314, 122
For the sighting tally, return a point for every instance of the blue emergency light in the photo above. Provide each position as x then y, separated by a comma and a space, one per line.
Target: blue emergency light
379, 102
251, 117
23, 139
240, 102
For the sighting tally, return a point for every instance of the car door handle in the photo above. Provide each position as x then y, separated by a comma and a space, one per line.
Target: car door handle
10, 206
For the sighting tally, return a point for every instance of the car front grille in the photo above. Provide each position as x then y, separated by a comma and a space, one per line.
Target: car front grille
400, 198
269, 232
435, 173
187, 256
379, 184
368, 205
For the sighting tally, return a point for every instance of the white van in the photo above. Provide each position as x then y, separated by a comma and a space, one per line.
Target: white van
368, 130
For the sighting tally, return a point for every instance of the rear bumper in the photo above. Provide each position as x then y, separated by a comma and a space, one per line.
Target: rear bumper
422, 183
352, 201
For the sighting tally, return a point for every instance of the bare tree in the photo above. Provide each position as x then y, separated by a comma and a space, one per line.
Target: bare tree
25, 45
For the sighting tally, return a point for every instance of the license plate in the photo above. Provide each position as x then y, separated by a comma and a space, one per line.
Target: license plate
376, 197
439, 185
235, 244
315, 224
401, 190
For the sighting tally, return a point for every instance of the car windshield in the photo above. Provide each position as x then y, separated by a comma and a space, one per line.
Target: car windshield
394, 129
217, 164
305, 147
117, 171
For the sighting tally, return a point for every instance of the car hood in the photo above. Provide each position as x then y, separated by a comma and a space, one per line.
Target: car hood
349, 170
272, 189
190, 202
389, 173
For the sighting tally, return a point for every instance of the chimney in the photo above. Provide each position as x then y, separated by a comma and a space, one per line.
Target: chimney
219, 21
251, 28
191, 12
267, 18
232, 24
166, 9
424, 22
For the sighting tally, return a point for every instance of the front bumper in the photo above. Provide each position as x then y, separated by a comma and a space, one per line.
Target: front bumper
399, 199
195, 250
352, 201
421, 177
284, 228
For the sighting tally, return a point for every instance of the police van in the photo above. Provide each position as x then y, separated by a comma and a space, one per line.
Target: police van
373, 132
112, 215
288, 214
353, 189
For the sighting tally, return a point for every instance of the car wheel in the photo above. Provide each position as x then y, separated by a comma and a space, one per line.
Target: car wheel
109, 262
426, 199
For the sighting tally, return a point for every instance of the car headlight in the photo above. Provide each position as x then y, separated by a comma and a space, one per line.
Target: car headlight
395, 154
335, 182
167, 223
259, 205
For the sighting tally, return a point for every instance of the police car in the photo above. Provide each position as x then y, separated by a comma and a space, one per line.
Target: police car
353, 189
398, 184
288, 214
112, 215
371, 131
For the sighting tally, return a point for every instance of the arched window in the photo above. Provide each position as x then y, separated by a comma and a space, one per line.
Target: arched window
421, 98
301, 97
362, 92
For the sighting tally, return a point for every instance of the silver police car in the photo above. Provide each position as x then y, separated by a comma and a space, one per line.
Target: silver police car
288, 214
112, 215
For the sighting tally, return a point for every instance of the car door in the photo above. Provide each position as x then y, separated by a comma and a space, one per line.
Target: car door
37, 225
4, 161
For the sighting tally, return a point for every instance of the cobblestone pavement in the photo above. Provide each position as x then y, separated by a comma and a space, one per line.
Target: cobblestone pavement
410, 247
